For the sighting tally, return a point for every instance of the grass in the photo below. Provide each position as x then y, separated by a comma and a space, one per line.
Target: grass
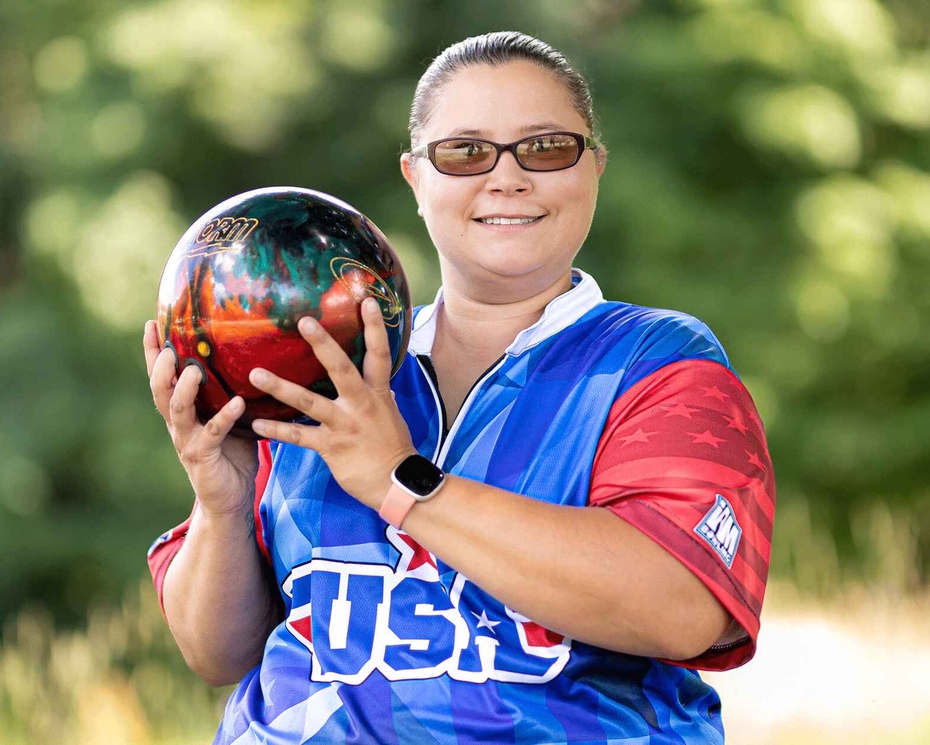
119, 679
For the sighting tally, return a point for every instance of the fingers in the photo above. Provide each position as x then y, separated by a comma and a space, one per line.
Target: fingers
161, 381
222, 422
150, 346
341, 370
377, 365
298, 434
182, 412
349, 383
312, 404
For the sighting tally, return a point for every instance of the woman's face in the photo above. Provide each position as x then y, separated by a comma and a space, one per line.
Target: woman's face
504, 262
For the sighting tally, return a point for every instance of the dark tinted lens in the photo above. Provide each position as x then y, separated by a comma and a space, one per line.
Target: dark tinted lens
464, 156
548, 152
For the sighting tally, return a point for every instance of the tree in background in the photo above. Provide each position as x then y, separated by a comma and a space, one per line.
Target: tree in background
769, 172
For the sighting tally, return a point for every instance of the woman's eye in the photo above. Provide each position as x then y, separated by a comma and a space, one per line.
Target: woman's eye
466, 148
541, 145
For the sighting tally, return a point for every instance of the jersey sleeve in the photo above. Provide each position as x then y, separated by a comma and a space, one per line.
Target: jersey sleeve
166, 546
683, 458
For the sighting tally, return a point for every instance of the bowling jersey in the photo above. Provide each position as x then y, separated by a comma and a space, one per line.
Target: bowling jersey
599, 404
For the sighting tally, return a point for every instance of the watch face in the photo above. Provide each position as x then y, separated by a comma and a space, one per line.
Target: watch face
419, 475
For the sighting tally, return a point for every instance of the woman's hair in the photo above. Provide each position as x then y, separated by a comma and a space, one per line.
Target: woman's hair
494, 49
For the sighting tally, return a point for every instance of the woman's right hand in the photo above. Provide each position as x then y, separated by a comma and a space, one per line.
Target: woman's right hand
221, 467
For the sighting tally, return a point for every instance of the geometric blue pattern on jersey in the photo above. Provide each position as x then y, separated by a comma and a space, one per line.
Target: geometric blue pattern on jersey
400, 648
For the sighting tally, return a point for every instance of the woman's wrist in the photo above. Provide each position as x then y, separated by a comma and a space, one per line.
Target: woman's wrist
227, 514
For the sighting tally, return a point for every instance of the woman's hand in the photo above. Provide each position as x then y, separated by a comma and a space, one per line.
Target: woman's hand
221, 467
361, 434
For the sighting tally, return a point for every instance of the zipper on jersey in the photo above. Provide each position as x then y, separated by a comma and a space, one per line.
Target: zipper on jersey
426, 364
446, 435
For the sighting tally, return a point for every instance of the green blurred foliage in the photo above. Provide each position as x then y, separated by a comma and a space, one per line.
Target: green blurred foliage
769, 172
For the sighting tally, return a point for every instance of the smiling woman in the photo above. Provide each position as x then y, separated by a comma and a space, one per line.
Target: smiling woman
555, 512
516, 229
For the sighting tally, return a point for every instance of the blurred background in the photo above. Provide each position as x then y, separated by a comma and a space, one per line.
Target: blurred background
769, 172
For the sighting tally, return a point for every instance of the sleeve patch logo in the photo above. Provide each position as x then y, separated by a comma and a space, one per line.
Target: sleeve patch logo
161, 540
721, 530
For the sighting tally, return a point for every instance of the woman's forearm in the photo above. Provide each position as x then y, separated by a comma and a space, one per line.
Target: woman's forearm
218, 599
580, 571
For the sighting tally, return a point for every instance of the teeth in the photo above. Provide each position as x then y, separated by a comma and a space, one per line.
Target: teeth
507, 220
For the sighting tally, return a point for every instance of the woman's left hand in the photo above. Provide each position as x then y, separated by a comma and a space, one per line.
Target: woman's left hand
361, 434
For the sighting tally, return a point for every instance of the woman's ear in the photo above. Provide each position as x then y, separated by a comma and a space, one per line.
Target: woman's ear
409, 171
600, 159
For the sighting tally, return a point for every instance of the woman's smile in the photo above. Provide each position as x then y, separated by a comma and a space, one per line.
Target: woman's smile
509, 223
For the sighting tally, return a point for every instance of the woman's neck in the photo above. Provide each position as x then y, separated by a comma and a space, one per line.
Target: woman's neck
484, 328
471, 335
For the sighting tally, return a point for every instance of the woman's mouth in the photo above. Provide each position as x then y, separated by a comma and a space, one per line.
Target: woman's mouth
509, 220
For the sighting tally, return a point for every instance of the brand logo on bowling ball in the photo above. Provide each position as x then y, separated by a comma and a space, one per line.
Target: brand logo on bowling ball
362, 281
222, 234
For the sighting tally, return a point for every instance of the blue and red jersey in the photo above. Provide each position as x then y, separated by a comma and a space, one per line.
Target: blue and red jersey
597, 405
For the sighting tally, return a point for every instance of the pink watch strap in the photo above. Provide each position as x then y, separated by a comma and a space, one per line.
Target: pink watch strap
396, 505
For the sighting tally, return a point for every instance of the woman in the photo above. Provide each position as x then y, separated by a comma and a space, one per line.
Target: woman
555, 511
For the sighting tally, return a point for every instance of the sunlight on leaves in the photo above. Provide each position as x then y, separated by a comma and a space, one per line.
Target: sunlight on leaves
61, 64
118, 129
900, 93
860, 27
355, 35
122, 250
804, 122
908, 189
822, 308
753, 36
851, 224
243, 67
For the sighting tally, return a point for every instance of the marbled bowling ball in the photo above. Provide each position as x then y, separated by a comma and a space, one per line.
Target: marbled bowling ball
248, 270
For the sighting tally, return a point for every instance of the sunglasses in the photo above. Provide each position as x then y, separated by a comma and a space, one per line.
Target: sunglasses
469, 156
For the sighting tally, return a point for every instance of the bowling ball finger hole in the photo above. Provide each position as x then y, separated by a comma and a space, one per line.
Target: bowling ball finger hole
199, 365
177, 358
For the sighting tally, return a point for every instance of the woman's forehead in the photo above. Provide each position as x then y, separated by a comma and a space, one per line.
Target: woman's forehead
516, 97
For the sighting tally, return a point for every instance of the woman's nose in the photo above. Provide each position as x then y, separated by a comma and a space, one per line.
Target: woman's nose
508, 176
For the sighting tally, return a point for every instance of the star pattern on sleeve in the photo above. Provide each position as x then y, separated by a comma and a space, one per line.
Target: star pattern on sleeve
706, 437
675, 442
679, 409
714, 392
755, 460
734, 422
638, 436
700, 419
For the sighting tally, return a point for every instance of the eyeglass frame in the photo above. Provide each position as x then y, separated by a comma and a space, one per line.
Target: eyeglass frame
429, 151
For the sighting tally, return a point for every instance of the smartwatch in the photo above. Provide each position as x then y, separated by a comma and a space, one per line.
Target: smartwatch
415, 479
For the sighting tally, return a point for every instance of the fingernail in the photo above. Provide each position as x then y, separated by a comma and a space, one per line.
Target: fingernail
370, 306
261, 427
258, 375
309, 324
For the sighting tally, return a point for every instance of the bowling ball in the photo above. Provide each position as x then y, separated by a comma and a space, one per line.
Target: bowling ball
243, 275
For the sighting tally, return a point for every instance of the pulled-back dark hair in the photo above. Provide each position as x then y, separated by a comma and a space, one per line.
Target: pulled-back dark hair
494, 49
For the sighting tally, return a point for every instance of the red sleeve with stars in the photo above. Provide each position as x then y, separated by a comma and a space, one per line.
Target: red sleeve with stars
683, 458
168, 544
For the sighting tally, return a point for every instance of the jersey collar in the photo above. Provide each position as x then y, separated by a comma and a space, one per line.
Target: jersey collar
559, 314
